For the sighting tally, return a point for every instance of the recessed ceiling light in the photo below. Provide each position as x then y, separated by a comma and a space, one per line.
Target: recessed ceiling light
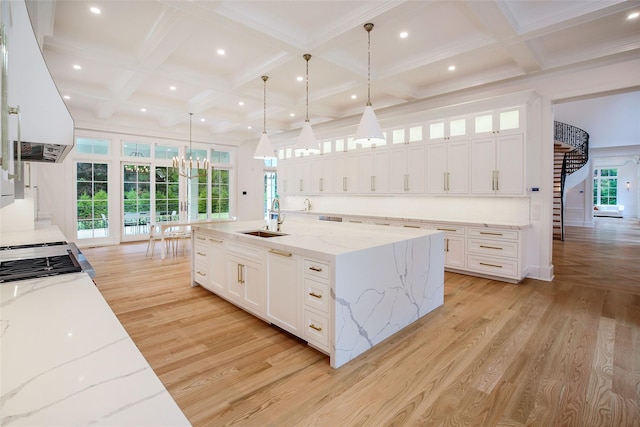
143, 109
633, 15
404, 35
95, 10
241, 103
77, 67
249, 127
299, 78
66, 97
220, 51
172, 88
292, 114
354, 96
451, 67
203, 120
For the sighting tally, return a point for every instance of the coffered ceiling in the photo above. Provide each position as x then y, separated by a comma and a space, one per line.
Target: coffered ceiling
134, 51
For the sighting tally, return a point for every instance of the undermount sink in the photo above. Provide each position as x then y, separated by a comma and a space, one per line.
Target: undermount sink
263, 233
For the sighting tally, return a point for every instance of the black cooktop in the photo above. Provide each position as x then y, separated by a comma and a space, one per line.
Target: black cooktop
21, 269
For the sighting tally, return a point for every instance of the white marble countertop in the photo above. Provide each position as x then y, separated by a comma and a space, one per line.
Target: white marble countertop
316, 238
65, 359
38, 235
408, 221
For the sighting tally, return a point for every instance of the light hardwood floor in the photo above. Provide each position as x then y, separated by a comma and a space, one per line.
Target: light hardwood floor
561, 353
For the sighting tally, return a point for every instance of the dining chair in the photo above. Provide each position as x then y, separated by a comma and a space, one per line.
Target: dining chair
155, 236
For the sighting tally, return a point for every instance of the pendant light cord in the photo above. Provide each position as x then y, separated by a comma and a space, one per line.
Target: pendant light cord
368, 27
307, 57
264, 125
190, 146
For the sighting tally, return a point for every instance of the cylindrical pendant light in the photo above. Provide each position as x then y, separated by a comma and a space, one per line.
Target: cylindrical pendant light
265, 150
307, 140
369, 131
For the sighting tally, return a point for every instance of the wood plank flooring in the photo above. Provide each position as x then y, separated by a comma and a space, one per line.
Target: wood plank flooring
561, 353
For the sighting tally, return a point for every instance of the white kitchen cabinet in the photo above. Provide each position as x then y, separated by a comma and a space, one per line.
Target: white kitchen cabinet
449, 129
448, 167
345, 177
209, 267
454, 245
246, 277
301, 176
407, 174
284, 301
374, 171
498, 165
316, 276
284, 176
496, 252
322, 174
502, 121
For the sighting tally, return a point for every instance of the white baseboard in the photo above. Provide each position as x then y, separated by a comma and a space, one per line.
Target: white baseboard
538, 272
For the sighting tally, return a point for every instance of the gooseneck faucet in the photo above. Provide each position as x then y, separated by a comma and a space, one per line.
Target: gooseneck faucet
275, 206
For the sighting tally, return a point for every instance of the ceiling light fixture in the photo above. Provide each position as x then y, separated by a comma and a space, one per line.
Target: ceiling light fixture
369, 129
633, 15
143, 109
77, 67
186, 168
221, 52
66, 97
264, 150
172, 88
452, 67
404, 35
307, 139
95, 10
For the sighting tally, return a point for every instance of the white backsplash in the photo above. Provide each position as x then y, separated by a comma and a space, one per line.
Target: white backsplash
504, 210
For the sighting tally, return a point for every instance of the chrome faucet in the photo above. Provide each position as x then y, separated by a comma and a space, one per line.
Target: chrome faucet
307, 205
275, 206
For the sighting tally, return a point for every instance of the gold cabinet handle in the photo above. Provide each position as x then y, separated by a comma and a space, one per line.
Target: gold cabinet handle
321, 184
281, 253
446, 229
201, 273
313, 294
202, 238
317, 328
488, 233
490, 265
373, 183
411, 226
318, 269
215, 241
446, 245
344, 183
491, 247
201, 254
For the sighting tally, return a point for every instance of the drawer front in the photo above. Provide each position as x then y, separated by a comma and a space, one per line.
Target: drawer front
316, 294
492, 233
253, 253
200, 272
200, 238
448, 229
316, 269
316, 329
201, 249
493, 247
494, 266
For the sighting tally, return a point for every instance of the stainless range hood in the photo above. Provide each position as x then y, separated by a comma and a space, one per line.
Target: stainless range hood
42, 152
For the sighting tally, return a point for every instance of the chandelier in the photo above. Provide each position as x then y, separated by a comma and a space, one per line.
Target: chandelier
186, 167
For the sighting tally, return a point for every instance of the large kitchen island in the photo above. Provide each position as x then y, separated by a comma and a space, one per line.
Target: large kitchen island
341, 287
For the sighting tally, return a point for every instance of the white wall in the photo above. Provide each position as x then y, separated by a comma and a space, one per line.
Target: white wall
250, 181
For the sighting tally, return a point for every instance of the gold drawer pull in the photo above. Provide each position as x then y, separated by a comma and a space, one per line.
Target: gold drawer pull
201, 254
491, 234
201, 273
411, 226
318, 269
282, 253
202, 238
490, 247
491, 265
313, 294
317, 328
215, 240
446, 229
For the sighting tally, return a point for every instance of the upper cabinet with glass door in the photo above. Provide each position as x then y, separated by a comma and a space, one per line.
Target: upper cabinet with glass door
450, 129
504, 121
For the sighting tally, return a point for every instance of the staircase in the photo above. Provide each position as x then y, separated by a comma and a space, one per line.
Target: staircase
570, 153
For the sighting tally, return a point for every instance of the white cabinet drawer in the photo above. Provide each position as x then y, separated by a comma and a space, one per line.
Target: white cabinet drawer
449, 229
493, 247
316, 329
253, 253
200, 271
494, 266
316, 269
316, 295
492, 233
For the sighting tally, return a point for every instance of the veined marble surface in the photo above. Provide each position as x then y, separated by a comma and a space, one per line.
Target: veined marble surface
38, 235
66, 360
382, 290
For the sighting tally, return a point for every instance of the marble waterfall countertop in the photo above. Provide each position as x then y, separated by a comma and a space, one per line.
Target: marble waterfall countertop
320, 239
65, 359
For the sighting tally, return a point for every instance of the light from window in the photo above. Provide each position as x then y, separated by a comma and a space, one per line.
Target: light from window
132, 149
270, 191
220, 157
220, 193
166, 152
92, 146
605, 186
92, 200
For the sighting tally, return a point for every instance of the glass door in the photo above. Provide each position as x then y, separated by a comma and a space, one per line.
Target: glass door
136, 201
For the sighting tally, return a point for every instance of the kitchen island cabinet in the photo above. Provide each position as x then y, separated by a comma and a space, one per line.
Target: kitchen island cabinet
346, 287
